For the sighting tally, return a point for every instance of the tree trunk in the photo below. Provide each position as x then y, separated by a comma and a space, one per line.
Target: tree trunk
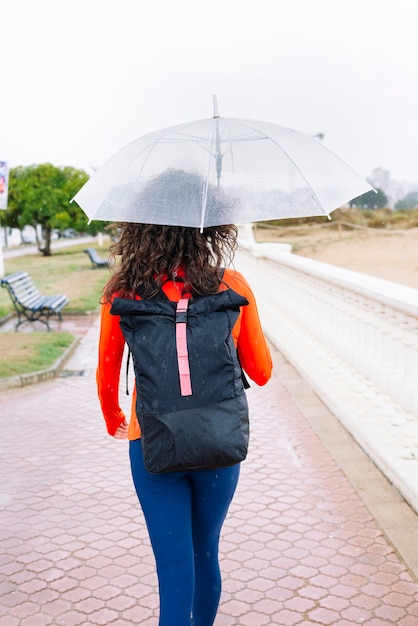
47, 241
45, 245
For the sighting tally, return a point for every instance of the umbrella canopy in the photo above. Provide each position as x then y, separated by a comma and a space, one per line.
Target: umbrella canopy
219, 171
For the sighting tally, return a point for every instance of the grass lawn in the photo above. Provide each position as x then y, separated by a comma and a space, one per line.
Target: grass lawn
67, 271
24, 353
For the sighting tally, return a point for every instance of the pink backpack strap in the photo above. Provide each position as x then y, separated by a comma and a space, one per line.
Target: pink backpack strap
181, 344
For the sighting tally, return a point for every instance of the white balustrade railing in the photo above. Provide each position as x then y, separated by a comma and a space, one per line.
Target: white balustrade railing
354, 337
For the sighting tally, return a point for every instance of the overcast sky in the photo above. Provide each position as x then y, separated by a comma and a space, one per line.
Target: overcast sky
81, 78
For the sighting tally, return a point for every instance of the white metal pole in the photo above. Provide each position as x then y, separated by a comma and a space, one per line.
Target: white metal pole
1, 256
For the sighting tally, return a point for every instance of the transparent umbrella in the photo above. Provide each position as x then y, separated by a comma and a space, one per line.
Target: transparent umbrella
219, 171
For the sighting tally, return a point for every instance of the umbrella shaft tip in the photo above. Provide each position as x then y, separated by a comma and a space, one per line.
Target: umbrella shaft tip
215, 107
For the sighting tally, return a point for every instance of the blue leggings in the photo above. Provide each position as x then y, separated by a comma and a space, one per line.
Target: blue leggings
184, 513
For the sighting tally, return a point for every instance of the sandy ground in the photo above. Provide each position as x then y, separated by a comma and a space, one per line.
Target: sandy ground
391, 255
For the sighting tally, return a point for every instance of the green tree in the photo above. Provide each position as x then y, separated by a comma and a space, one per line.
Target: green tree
41, 194
409, 202
371, 200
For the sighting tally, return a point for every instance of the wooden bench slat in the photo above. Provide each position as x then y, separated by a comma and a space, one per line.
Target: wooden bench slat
28, 300
22, 290
51, 302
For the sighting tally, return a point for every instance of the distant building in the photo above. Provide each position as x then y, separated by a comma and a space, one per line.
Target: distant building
380, 178
394, 189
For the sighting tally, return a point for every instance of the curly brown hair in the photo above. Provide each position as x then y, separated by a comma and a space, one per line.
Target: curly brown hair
150, 252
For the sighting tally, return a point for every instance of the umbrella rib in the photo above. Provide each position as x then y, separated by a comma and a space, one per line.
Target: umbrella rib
314, 194
150, 151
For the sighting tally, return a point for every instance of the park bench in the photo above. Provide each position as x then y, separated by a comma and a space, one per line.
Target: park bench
96, 261
30, 304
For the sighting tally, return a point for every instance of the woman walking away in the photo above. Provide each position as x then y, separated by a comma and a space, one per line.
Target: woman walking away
184, 510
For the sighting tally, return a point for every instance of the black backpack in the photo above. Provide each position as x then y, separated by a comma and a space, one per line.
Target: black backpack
183, 428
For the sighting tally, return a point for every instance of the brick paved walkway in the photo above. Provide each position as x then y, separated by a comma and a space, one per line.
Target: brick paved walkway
299, 546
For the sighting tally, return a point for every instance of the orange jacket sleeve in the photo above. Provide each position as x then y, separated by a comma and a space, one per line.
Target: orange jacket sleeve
111, 348
253, 350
